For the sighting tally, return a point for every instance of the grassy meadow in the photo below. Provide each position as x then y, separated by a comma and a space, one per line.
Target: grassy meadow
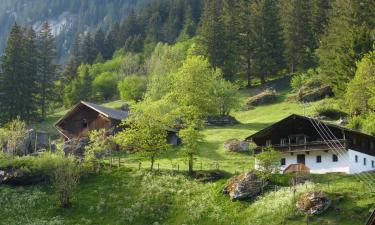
131, 196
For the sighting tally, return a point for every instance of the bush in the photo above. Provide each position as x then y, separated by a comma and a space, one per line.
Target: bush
298, 81
355, 123
329, 109
132, 88
268, 163
105, 86
369, 124
65, 178
30, 169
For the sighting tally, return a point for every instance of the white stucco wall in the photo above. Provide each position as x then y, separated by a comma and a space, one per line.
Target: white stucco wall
357, 167
345, 164
326, 166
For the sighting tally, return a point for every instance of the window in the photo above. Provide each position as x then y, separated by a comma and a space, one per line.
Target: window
364, 161
356, 158
319, 159
283, 142
372, 164
268, 142
84, 123
334, 158
283, 161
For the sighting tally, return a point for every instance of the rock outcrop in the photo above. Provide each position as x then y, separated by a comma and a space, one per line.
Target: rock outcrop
313, 203
267, 96
235, 145
244, 186
222, 121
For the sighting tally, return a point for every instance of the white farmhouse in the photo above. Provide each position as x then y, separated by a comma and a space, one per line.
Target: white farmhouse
309, 145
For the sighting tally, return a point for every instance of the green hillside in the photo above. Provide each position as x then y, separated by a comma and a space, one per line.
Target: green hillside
132, 196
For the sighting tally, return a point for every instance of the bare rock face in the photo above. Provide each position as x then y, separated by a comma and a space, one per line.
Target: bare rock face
244, 186
75, 146
235, 145
313, 203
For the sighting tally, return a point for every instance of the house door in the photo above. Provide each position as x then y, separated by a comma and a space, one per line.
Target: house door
301, 159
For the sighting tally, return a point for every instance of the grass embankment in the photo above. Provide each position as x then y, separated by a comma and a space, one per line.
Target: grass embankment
128, 196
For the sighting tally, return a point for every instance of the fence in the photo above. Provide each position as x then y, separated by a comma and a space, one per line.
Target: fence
119, 162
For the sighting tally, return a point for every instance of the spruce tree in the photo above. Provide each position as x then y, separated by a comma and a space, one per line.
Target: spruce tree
349, 36
17, 77
99, 42
211, 34
297, 33
247, 44
231, 38
267, 54
30, 76
47, 68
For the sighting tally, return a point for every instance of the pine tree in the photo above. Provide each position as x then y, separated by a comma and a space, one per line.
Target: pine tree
30, 75
99, 42
87, 49
210, 41
17, 77
348, 38
109, 46
297, 33
267, 54
247, 45
231, 39
47, 68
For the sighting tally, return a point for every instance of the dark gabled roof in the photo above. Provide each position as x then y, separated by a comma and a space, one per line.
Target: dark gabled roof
308, 119
107, 112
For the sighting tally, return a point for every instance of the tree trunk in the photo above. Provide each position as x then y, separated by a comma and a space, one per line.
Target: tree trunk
152, 163
248, 72
191, 164
64, 199
262, 80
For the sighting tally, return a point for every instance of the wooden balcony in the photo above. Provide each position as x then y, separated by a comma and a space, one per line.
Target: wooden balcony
306, 147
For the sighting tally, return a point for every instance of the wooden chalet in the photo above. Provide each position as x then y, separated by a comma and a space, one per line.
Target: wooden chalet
85, 117
300, 140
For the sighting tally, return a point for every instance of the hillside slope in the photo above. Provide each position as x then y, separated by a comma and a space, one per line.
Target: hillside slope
131, 196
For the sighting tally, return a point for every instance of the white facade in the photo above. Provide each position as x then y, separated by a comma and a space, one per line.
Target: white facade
350, 161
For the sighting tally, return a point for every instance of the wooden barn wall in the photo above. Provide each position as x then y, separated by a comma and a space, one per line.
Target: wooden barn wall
74, 124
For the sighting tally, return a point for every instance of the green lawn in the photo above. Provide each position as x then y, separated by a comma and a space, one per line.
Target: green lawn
131, 196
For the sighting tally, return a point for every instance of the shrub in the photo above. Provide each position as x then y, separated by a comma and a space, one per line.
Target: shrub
132, 88
355, 123
268, 162
329, 109
105, 86
32, 169
66, 177
298, 81
369, 124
